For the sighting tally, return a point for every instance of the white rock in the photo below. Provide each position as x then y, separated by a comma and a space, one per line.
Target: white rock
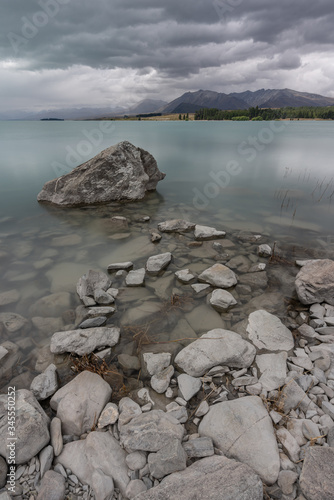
157, 263
273, 370
108, 416
289, 443
266, 331
84, 341
222, 300
45, 384
175, 226
135, 278
155, 363
185, 276
207, 233
315, 282
160, 381
264, 250
188, 386
219, 275
128, 409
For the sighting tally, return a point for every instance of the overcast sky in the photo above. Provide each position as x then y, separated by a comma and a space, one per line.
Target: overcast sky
66, 53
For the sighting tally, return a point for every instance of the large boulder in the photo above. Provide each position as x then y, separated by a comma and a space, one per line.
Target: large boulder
266, 331
315, 282
120, 173
31, 427
212, 478
217, 347
242, 429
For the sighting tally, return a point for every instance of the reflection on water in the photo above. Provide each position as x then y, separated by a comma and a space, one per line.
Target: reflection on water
285, 196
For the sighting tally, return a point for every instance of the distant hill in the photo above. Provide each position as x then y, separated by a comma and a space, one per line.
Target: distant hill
146, 106
192, 101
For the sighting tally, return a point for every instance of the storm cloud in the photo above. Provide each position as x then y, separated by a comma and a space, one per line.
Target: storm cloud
56, 53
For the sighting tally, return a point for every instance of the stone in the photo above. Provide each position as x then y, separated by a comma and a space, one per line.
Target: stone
56, 436
160, 381
135, 278
222, 300
209, 479
200, 288
95, 312
286, 481
328, 408
10, 355
3, 472
176, 226
242, 429
31, 426
207, 233
79, 403
109, 416
128, 363
170, 458
157, 263
317, 476
52, 486
150, 431
199, 448
306, 331
289, 443
103, 298
128, 409
255, 280
179, 414
216, 347
45, 459
185, 276
273, 370
136, 460
134, 488
293, 396
51, 305
84, 341
315, 282
188, 386
156, 363
202, 409
10, 297
92, 281
264, 250
13, 322
120, 265
45, 384
47, 325
266, 331
219, 275
93, 322
119, 173
100, 453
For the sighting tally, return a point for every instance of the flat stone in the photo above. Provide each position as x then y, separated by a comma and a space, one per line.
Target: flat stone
84, 341
109, 415
219, 275
45, 384
222, 300
99, 452
45, 459
56, 436
206, 478
289, 443
207, 233
52, 486
171, 458
128, 409
315, 282
93, 322
273, 370
10, 297
188, 386
243, 429
199, 448
266, 331
200, 287
135, 278
79, 403
157, 263
31, 426
51, 305
176, 226
317, 476
150, 431
185, 276
120, 265
217, 347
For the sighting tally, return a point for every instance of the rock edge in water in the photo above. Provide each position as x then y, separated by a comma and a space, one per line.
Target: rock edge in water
119, 173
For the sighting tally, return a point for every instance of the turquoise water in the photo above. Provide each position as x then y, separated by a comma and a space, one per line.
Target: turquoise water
271, 178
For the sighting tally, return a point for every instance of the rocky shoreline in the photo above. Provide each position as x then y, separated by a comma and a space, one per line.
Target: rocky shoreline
238, 410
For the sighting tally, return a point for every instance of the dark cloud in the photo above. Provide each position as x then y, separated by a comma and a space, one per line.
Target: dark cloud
165, 46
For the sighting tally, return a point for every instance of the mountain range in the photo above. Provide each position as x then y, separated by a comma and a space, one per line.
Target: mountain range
186, 103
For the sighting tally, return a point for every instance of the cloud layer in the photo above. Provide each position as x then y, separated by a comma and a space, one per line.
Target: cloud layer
56, 53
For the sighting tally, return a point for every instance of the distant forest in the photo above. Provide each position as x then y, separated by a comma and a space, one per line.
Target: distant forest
257, 114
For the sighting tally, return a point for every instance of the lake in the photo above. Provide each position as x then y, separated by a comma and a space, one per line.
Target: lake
273, 179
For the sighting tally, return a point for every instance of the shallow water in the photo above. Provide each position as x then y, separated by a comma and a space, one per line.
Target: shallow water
273, 179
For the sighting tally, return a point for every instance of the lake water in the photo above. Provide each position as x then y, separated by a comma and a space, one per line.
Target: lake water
270, 178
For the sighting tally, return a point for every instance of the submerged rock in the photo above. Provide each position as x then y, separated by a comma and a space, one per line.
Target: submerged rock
119, 173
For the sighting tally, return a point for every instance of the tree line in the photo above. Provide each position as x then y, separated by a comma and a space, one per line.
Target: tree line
256, 113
